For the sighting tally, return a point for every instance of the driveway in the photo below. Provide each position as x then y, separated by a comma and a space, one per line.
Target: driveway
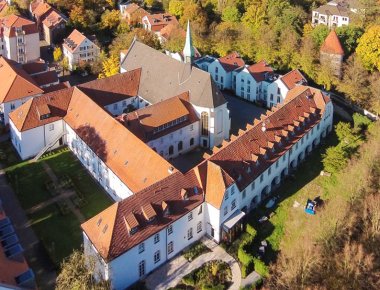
241, 112
171, 273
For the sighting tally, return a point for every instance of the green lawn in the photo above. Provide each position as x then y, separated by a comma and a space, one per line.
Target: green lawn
65, 163
59, 233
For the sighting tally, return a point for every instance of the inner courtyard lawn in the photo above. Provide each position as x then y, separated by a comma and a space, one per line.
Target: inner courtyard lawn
60, 233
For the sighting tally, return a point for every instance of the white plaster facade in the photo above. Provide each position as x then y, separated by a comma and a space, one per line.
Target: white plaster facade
221, 77
7, 107
87, 51
21, 48
276, 93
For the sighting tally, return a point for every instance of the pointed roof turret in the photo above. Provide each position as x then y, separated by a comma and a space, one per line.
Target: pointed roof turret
332, 44
188, 50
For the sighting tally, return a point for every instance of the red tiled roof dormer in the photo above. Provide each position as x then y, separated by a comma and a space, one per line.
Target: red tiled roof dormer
259, 70
332, 44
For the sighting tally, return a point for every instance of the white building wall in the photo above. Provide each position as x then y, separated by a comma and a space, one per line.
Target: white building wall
124, 270
183, 135
31, 47
96, 167
29, 143
276, 93
87, 51
222, 78
8, 107
246, 86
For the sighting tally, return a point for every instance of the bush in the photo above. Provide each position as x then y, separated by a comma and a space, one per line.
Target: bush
261, 268
247, 269
243, 256
213, 287
194, 251
188, 280
251, 231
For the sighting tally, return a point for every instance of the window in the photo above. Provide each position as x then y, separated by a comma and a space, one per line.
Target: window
170, 248
232, 190
233, 204
225, 210
269, 171
142, 268
124, 103
216, 77
191, 127
190, 233
278, 91
190, 216
271, 97
278, 100
253, 185
180, 145
261, 178
141, 248
13, 106
221, 80
51, 127
171, 150
199, 227
200, 210
156, 238
204, 120
302, 140
216, 70
226, 196
244, 194
170, 229
277, 164
156, 257
318, 126
283, 158
191, 141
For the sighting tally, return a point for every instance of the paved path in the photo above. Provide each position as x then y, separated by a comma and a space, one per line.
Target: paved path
70, 204
170, 274
250, 279
63, 195
34, 252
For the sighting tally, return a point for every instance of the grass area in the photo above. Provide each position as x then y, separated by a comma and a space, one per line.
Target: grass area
59, 233
65, 163
8, 155
211, 275
196, 249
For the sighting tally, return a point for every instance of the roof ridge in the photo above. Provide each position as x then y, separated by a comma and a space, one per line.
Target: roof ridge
32, 100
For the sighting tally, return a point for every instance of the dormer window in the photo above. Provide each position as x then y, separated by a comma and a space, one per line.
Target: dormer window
165, 208
149, 212
184, 194
131, 223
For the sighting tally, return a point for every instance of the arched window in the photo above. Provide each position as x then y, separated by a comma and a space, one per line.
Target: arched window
191, 141
204, 119
180, 145
171, 150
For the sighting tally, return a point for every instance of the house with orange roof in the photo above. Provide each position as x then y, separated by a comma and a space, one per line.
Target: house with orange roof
331, 53
51, 22
275, 89
16, 88
248, 80
152, 226
19, 39
80, 49
156, 22
221, 69
132, 13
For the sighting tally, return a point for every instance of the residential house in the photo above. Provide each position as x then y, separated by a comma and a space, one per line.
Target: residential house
156, 22
222, 70
51, 22
331, 53
79, 49
133, 13
247, 81
19, 39
277, 88
336, 13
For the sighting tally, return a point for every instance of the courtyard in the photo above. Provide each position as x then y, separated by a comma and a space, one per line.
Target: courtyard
57, 194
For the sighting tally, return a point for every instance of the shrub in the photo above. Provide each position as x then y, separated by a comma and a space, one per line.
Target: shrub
247, 269
194, 251
243, 256
261, 268
189, 280
251, 231
213, 287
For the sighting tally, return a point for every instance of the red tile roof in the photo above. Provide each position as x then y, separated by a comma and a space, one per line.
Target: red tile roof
75, 38
45, 78
158, 21
57, 87
231, 62
332, 44
35, 67
52, 19
117, 239
172, 30
293, 78
9, 24
260, 70
15, 82
143, 122
41, 9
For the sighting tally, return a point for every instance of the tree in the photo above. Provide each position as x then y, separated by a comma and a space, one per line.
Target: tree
176, 7
231, 14
77, 272
110, 19
288, 45
368, 49
149, 3
225, 37
326, 76
254, 17
344, 132
194, 13
349, 36
355, 82
375, 92
176, 42
64, 64
319, 34
335, 159
306, 59
266, 42
110, 66
57, 54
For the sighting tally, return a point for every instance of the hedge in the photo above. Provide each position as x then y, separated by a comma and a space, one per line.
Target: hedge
261, 268
251, 231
